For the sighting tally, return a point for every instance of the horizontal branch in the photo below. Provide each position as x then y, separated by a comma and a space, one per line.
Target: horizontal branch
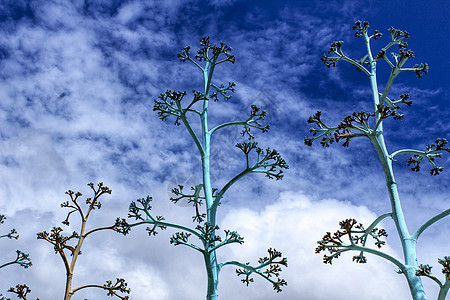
22, 260
251, 270
381, 254
112, 289
167, 224
434, 150
87, 286
407, 151
230, 237
227, 124
98, 229
271, 263
11, 235
134, 212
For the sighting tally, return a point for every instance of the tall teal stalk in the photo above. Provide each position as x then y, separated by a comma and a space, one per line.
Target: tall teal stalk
268, 162
212, 268
357, 125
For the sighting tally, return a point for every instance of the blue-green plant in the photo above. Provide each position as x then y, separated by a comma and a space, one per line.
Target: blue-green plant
22, 259
353, 236
204, 198
69, 252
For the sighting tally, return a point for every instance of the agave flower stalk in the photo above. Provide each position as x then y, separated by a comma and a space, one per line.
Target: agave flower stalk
203, 197
370, 125
68, 247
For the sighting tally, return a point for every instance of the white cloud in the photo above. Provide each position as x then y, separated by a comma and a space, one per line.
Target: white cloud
111, 69
33, 166
129, 12
293, 225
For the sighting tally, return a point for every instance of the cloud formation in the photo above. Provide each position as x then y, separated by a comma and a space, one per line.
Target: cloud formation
78, 82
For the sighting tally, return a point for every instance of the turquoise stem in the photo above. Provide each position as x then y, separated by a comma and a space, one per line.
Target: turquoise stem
430, 222
444, 290
408, 243
377, 139
212, 267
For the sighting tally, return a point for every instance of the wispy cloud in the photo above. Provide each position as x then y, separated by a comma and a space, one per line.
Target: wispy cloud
78, 83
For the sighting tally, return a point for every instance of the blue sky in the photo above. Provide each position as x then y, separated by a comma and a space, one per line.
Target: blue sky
78, 83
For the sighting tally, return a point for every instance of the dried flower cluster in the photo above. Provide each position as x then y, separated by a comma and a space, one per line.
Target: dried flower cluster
22, 259
268, 267
370, 125
356, 235
203, 197
72, 243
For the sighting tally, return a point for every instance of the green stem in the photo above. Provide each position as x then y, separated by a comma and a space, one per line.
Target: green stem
7, 264
409, 151
220, 194
250, 268
393, 75
444, 290
192, 133
408, 243
430, 222
210, 258
228, 124
376, 252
